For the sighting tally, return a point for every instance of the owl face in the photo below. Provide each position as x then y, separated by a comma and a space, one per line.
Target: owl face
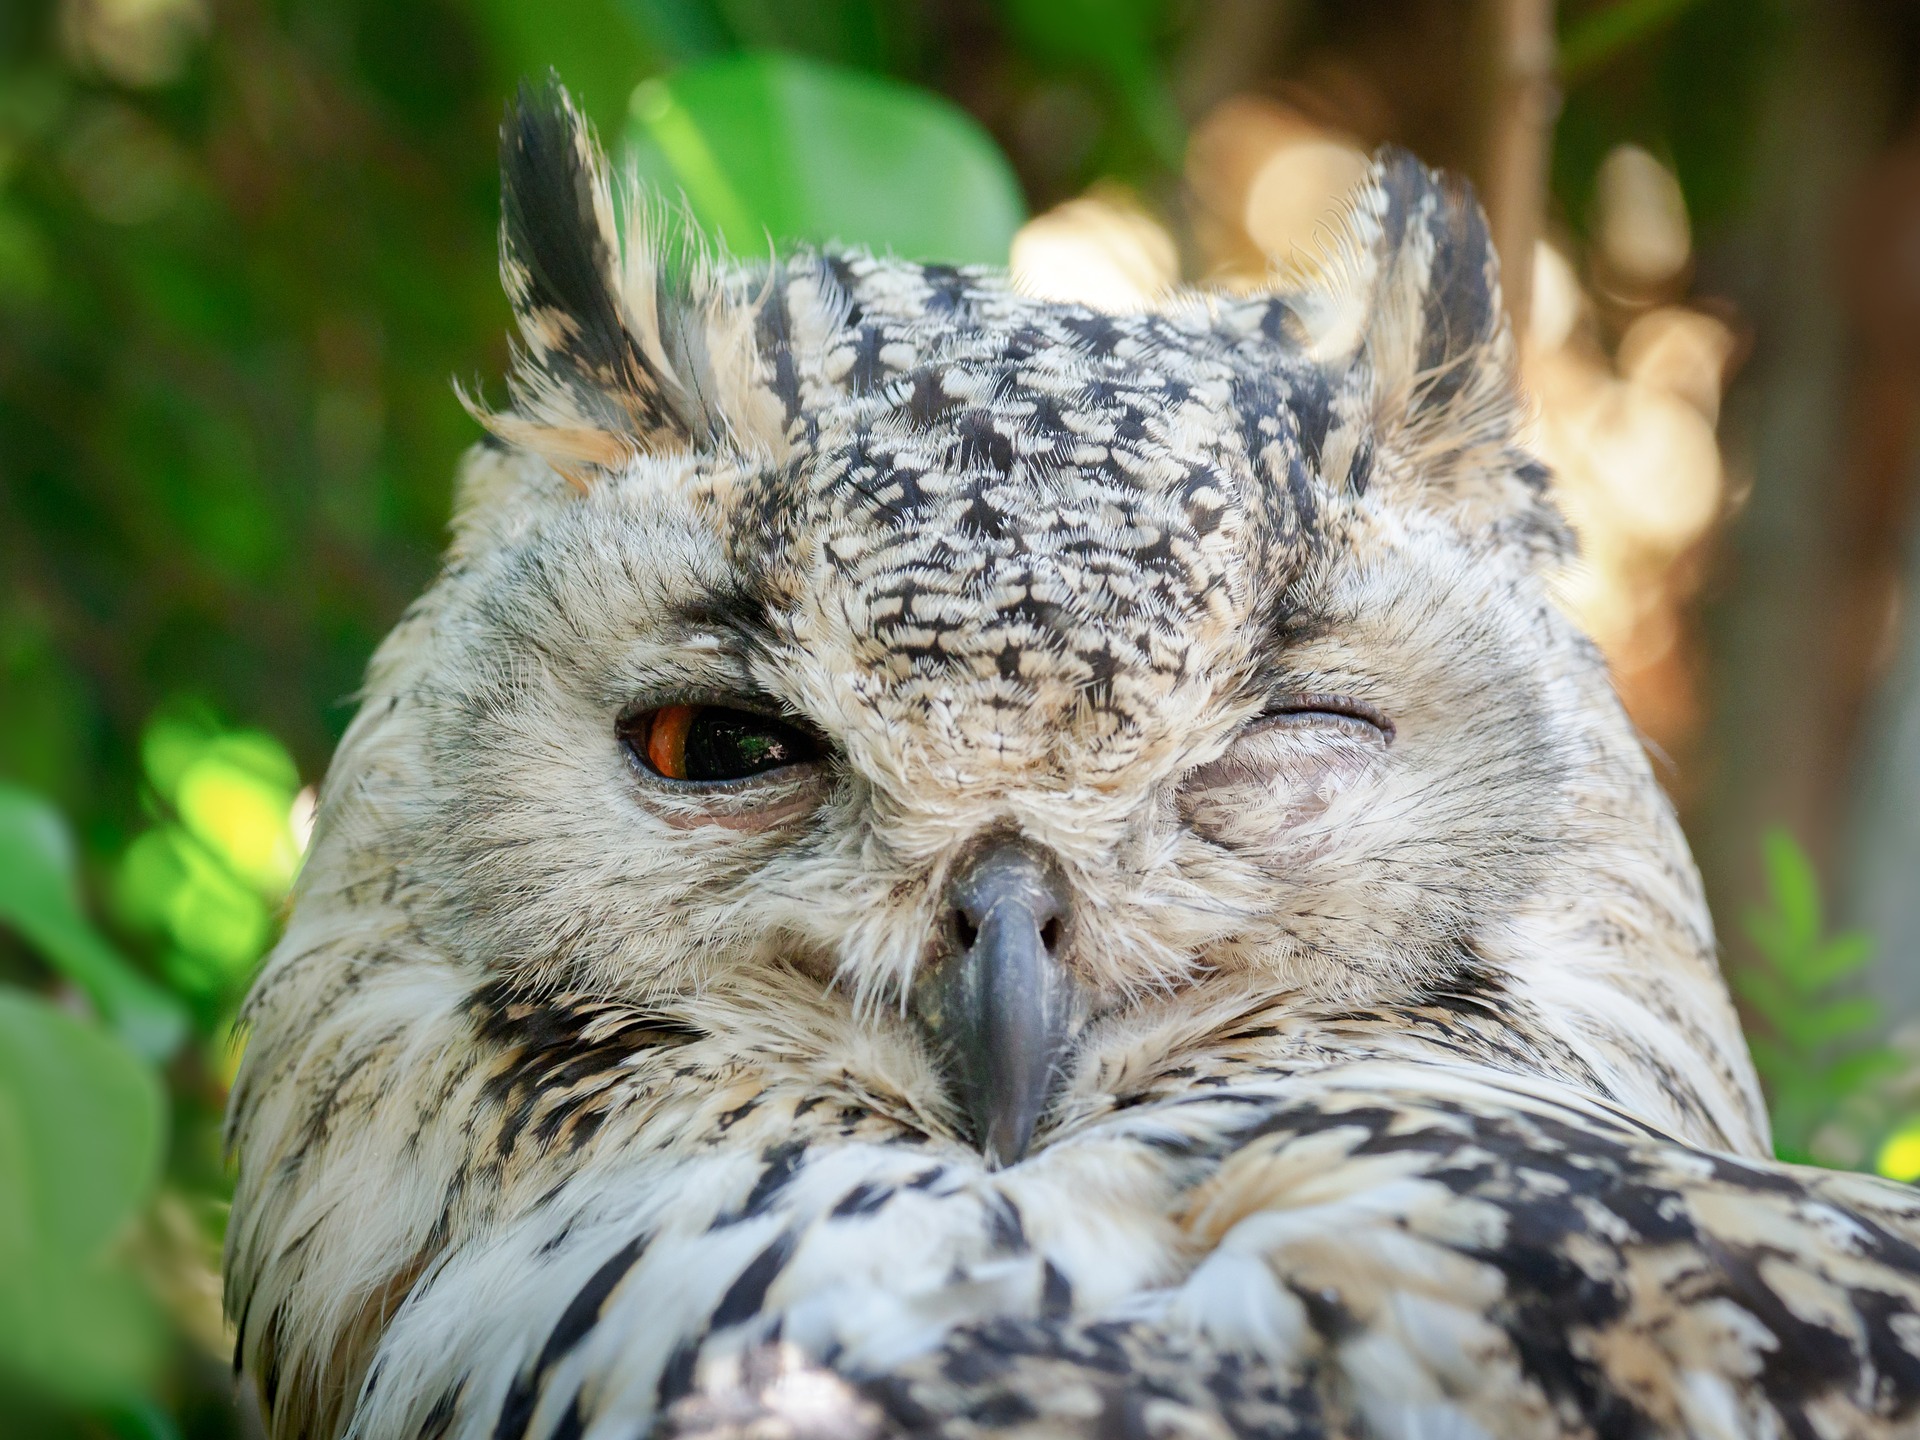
728, 742
875, 728
977, 671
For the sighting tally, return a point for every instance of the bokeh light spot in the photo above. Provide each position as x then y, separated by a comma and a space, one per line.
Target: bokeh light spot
1899, 1157
1101, 250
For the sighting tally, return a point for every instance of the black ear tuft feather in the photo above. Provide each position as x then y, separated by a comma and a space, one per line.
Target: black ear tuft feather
1461, 314
590, 385
1404, 312
550, 224
1447, 399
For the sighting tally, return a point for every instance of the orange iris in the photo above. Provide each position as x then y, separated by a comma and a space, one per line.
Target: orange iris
667, 739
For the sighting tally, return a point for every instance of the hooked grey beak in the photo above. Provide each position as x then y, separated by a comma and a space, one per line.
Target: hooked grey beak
998, 1004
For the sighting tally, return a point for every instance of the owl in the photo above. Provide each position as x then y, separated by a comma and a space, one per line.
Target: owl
942, 864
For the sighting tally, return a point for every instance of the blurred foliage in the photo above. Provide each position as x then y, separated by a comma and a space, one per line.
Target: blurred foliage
768, 147
82, 1125
1817, 1047
1684, 78
91, 1071
40, 899
1119, 45
245, 246
203, 881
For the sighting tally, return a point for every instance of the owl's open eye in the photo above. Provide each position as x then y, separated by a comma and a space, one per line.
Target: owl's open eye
708, 744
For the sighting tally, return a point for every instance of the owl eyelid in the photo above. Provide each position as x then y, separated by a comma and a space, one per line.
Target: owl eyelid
1345, 707
765, 706
1244, 760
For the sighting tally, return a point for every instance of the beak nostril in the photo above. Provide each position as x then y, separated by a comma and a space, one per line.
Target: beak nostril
995, 1000
967, 934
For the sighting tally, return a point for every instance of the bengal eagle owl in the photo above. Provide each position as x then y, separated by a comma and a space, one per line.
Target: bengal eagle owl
944, 864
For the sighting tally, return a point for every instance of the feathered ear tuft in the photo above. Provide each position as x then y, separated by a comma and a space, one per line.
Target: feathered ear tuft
592, 384
1405, 313
1437, 334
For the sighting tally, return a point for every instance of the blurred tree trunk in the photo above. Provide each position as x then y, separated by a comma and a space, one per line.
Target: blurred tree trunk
1880, 857
1791, 664
1518, 105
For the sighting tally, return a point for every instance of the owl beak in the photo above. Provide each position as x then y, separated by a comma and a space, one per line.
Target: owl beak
998, 1003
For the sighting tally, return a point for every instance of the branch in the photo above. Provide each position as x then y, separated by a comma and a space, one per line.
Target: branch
1521, 103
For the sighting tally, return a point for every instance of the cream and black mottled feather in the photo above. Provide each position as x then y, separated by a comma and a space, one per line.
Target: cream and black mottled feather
1387, 1085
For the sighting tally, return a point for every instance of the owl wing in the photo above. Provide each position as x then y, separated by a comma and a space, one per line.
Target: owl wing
1387, 1262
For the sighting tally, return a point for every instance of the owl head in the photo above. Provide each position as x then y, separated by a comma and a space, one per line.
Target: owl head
983, 700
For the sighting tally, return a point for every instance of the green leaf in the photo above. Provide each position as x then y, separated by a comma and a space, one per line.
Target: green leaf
187, 732
82, 1124
1769, 936
1855, 1071
90, 1115
1816, 1063
768, 145
171, 742
1841, 956
39, 898
1777, 1065
1796, 1116
1767, 995
1795, 892
1818, 1025
235, 798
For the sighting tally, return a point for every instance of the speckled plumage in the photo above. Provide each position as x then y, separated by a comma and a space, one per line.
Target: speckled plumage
1407, 1100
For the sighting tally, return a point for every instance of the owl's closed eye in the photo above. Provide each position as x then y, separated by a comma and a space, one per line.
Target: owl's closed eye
1285, 767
